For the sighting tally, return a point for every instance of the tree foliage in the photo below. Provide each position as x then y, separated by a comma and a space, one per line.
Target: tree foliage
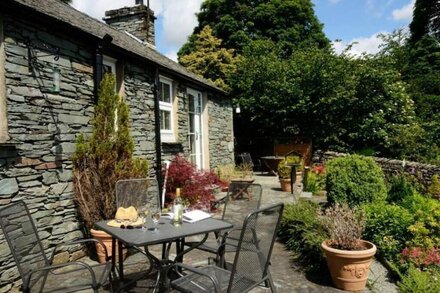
426, 20
343, 103
290, 23
209, 59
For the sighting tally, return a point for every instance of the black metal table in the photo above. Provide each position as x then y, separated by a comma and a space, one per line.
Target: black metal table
167, 233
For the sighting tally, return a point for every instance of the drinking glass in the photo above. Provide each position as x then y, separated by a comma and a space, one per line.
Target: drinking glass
155, 216
143, 214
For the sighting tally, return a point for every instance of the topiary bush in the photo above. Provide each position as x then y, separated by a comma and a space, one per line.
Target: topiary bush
387, 227
354, 180
303, 233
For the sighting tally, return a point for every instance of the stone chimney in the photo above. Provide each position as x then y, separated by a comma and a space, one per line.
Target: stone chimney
138, 21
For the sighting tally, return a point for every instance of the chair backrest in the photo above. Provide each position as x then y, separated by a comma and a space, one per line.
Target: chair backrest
22, 237
136, 192
255, 248
235, 210
246, 159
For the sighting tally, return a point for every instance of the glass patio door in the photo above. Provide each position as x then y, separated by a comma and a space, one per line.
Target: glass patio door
195, 127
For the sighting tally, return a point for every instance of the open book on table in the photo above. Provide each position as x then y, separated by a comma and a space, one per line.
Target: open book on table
191, 216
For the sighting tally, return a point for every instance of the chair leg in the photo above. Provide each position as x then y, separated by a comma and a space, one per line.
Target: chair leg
269, 283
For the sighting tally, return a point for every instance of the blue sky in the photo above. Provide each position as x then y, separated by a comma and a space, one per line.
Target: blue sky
347, 20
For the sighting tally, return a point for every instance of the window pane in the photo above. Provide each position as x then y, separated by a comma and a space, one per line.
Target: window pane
191, 123
191, 103
165, 120
165, 95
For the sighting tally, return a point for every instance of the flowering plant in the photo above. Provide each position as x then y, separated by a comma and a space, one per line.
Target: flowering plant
421, 258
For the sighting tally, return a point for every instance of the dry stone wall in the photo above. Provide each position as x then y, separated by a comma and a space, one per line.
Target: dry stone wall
391, 167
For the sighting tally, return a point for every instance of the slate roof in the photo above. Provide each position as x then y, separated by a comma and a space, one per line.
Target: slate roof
70, 16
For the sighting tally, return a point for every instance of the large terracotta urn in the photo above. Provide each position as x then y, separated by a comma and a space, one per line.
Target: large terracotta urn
107, 240
349, 268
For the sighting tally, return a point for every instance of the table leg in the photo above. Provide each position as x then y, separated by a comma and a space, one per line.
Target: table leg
121, 261
113, 255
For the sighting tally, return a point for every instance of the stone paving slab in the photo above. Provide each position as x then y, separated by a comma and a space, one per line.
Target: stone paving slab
287, 277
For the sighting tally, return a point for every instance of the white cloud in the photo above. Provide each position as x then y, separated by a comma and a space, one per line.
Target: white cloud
334, 1
172, 54
369, 45
179, 20
405, 12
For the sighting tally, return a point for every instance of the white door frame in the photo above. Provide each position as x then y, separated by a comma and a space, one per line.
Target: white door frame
196, 150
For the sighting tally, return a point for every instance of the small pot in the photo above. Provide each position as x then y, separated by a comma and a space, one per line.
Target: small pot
349, 268
107, 240
285, 185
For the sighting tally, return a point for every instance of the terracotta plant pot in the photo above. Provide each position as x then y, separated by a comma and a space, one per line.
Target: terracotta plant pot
349, 269
107, 240
285, 185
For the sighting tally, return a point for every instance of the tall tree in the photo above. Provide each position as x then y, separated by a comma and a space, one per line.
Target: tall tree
209, 59
426, 19
291, 23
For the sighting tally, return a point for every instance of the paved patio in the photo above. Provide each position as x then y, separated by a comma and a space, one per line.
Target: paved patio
287, 277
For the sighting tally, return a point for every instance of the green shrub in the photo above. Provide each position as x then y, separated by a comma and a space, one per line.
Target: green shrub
419, 281
312, 182
284, 168
434, 187
303, 233
387, 227
354, 180
425, 231
400, 189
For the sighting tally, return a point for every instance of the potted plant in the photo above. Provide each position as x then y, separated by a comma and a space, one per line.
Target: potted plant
348, 257
104, 158
284, 170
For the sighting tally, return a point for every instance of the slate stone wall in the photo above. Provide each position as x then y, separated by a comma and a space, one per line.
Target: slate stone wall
221, 139
44, 126
391, 167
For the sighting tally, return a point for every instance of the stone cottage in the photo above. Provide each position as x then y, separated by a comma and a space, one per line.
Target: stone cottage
52, 58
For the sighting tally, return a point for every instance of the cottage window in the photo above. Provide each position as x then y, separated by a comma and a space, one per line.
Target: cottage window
166, 102
3, 107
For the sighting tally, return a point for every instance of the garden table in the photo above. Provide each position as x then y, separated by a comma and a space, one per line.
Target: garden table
167, 233
271, 162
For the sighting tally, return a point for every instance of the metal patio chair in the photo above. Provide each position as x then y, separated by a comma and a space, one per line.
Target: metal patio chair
136, 192
234, 212
37, 271
250, 267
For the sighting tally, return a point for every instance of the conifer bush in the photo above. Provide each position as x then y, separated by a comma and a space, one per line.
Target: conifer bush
105, 157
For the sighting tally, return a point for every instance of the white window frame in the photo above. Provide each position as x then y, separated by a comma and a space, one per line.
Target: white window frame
167, 135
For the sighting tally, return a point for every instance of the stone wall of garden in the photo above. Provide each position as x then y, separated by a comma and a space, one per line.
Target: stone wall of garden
391, 167
44, 126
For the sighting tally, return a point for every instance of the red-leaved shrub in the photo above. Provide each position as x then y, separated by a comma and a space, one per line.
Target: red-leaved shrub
197, 187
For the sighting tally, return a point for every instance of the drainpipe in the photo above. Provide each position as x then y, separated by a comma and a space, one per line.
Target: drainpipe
157, 134
98, 69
